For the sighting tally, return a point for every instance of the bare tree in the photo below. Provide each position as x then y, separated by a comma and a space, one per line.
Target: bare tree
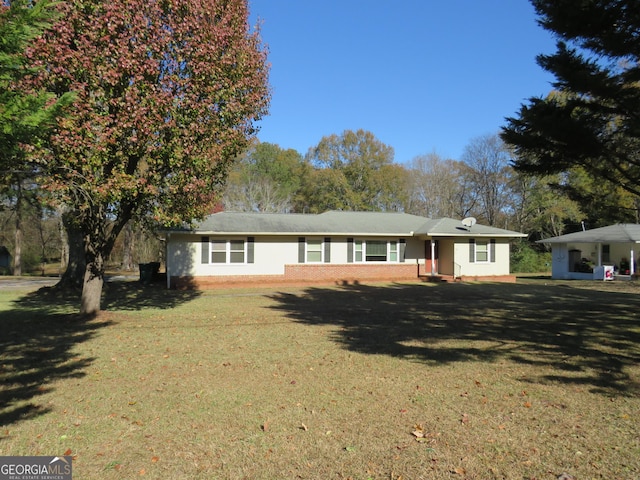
437, 188
489, 173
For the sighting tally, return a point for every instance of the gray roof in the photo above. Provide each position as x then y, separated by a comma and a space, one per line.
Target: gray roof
620, 233
339, 222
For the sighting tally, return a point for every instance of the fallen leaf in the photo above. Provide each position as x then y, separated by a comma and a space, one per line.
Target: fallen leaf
142, 472
67, 452
465, 419
418, 431
303, 427
527, 404
154, 459
459, 471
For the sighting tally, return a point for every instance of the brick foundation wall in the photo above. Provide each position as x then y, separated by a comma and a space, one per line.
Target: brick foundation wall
306, 273
327, 274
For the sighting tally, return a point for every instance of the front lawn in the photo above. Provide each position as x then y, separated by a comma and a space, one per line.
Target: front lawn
385, 381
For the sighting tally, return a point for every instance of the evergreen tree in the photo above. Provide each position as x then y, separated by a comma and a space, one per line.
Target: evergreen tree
592, 122
25, 114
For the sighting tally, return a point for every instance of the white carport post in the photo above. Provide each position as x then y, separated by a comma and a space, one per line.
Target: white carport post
599, 254
433, 257
632, 263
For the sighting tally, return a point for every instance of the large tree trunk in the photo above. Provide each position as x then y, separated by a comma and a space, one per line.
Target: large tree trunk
92, 287
128, 247
73, 276
17, 254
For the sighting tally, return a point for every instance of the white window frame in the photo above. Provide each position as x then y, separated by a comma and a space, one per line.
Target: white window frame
228, 250
313, 242
360, 251
486, 251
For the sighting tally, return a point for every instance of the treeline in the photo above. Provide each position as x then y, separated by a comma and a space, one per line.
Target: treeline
355, 171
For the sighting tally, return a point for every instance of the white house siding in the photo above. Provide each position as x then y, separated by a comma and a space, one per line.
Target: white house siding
482, 269
271, 254
276, 259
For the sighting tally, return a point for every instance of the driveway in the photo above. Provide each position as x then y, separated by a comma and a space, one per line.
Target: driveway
30, 283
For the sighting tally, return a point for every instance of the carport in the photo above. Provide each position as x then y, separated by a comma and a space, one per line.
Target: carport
583, 255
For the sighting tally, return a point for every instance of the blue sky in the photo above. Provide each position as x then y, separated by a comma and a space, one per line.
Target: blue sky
423, 76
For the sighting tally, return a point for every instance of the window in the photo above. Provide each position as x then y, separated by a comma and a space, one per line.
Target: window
482, 251
228, 251
606, 253
393, 251
376, 251
314, 250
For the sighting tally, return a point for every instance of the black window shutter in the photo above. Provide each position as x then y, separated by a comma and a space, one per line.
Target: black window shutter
250, 243
403, 247
327, 250
492, 251
206, 250
349, 250
301, 249
472, 250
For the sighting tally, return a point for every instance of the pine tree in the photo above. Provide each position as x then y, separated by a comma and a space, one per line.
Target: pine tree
592, 120
25, 115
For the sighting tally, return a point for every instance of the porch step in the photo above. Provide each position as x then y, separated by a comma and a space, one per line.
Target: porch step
440, 278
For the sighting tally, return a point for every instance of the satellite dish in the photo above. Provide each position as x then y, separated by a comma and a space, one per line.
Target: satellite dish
469, 222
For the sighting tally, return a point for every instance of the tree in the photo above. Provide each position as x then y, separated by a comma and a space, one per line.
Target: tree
541, 208
435, 187
602, 203
25, 116
489, 174
265, 179
168, 93
351, 171
592, 121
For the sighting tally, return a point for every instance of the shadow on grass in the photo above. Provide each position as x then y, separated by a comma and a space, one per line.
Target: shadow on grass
40, 331
572, 335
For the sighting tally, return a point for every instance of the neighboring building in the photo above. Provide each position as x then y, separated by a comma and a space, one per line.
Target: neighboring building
334, 246
601, 253
5, 259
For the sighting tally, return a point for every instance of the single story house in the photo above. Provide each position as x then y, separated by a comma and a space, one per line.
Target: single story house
335, 246
601, 253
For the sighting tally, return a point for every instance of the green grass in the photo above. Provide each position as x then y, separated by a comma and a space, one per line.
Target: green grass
385, 381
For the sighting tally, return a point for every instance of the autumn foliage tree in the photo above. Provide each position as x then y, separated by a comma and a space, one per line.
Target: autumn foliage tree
167, 95
352, 171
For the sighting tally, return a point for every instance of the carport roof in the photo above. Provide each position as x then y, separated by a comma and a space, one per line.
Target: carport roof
339, 222
619, 233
